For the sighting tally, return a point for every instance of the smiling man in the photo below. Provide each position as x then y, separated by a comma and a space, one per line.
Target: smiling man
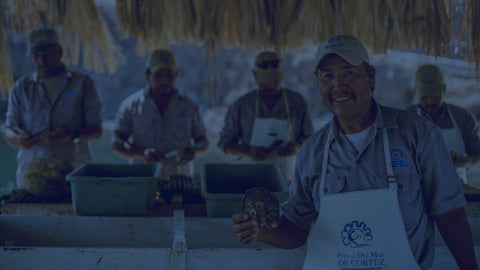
53, 112
370, 184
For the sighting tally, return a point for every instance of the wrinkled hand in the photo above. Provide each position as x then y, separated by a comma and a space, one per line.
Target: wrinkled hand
458, 161
152, 155
287, 149
21, 138
187, 154
62, 134
27, 140
245, 229
258, 153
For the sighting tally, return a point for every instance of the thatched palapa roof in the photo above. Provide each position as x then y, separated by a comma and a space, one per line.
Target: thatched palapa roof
250, 24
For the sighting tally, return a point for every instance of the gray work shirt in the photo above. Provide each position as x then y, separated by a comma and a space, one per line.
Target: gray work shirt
427, 181
241, 116
139, 116
75, 104
466, 121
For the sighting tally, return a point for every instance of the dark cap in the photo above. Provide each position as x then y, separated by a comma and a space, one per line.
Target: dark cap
41, 40
429, 81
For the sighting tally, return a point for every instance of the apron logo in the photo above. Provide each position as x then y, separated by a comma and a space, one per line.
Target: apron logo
397, 154
184, 115
356, 234
397, 162
70, 94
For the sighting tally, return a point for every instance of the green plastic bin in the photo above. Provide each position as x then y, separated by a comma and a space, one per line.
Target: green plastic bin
223, 185
114, 189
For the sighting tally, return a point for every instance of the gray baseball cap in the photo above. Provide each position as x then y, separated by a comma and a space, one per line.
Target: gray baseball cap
42, 40
161, 58
348, 47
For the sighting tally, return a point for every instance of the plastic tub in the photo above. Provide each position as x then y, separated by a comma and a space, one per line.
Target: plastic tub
223, 185
114, 189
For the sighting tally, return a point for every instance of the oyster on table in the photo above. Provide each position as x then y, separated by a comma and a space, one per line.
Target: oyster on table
262, 205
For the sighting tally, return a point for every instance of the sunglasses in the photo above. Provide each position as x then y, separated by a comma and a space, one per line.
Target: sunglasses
265, 64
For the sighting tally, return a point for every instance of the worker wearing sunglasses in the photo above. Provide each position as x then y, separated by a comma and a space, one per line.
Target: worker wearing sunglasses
267, 124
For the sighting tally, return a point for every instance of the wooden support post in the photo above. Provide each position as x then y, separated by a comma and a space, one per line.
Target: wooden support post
179, 248
177, 201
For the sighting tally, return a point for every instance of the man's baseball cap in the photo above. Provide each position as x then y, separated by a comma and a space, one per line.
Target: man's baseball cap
161, 58
348, 47
268, 67
429, 81
42, 40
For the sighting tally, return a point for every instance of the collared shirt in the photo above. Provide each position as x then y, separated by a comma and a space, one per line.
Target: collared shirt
241, 116
76, 104
427, 181
140, 117
466, 121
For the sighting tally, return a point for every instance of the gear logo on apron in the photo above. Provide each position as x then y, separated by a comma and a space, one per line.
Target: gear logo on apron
356, 234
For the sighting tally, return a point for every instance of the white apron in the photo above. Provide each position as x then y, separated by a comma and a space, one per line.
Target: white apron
267, 130
454, 141
360, 229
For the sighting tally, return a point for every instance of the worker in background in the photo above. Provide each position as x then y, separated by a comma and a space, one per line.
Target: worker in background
159, 124
54, 111
270, 123
371, 184
459, 127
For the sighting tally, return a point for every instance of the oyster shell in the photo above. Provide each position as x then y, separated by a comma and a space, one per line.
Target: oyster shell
262, 205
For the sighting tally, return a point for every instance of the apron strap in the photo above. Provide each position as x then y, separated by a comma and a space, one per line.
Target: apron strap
257, 103
323, 176
392, 180
287, 109
457, 128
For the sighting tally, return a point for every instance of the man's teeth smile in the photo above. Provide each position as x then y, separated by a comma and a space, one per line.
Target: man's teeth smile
341, 99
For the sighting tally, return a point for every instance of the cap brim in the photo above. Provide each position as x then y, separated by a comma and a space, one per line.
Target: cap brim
41, 48
155, 68
349, 57
263, 76
429, 90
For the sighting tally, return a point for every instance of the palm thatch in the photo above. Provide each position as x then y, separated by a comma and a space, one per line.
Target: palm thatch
6, 76
471, 28
83, 33
250, 24
100, 52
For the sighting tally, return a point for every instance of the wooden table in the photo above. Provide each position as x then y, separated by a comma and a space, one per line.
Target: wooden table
472, 194
65, 209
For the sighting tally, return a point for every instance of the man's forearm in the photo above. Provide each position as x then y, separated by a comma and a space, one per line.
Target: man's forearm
234, 148
127, 150
201, 144
13, 139
456, 233
90, 132
287, 235
473, 161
